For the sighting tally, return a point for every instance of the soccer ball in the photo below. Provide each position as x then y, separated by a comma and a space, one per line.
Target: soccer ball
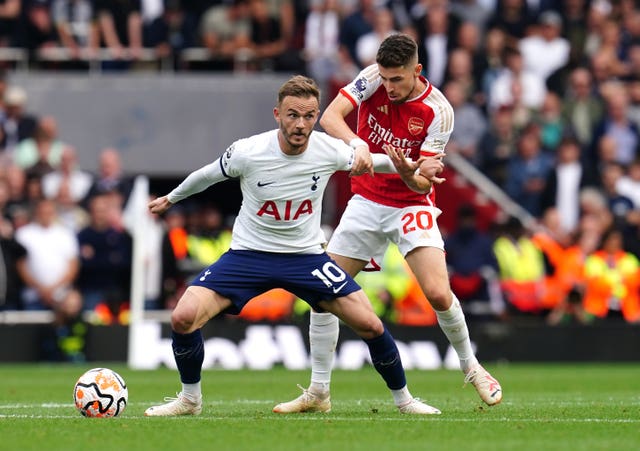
100, 393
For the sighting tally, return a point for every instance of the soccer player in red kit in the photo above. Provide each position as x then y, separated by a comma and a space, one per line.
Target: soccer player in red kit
402, 114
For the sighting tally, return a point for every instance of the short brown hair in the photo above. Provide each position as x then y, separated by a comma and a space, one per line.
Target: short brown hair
397, 50
299, 86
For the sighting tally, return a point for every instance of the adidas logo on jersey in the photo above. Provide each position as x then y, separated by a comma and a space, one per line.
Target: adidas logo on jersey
383, 109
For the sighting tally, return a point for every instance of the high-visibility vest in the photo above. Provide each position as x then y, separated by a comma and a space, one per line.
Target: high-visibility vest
208, 249
556, 286
519, 261
612, 276
178, 237
522, 273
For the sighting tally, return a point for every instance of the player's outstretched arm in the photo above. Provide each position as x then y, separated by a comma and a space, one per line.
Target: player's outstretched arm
419, 175
333, 122
195, 182
159, 205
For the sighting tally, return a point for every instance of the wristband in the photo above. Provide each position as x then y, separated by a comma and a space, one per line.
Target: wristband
355, 142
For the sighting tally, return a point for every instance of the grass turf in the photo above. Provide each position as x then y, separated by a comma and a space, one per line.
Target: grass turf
545, 407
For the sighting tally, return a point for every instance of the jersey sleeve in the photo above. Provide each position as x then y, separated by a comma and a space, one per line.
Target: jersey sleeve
439, 131
363, 86
232, 160
344, 154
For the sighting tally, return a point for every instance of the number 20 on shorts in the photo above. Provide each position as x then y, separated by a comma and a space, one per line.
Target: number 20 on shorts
411, 221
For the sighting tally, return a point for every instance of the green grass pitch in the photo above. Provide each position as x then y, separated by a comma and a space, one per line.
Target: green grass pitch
545, 407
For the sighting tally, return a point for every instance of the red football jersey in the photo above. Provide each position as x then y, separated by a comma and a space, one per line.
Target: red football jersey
420, 126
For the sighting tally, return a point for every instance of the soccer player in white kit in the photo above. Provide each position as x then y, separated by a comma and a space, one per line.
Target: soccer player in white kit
277, 242
402, 114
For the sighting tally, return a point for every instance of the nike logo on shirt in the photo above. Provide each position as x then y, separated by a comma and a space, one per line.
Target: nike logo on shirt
261, 184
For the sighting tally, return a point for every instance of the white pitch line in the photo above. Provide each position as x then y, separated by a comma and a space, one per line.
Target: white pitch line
350, 419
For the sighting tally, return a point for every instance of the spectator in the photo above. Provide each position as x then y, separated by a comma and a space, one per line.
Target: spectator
37, 30
9, 22
574, 14
460, 70
436, 36
568, 177
367, 44
628, 185
358, 22
633, 88
552, 240
226, 32
491, 63
610, 34
267, 43
470, 68
583, 109
105, 259
470, 123
12, 255
605, 67
511, 16
620, 206
521, 266
110, 177
612, 280
568, 280
473, 269
16, 184
175, 278
594, 209
70, 213
474, 12
210, 239
17, 124
546, 51
528, 171
617, 125
49, 272
43, 150
501, 92
77, 181
552, 124
77, 32
498, 145
321, 43
597, 14
155, 27
120, 28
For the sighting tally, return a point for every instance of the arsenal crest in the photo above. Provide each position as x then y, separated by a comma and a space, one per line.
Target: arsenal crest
415, 125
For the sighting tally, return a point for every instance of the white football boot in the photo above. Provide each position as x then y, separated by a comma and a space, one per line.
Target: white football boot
417, 407
306, 402
175, 406
487, 387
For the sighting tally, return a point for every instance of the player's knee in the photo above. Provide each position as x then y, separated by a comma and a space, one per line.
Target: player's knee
370, 327
440, 298
181, 322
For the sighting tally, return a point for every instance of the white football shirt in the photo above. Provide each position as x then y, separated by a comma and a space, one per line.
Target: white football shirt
282, 194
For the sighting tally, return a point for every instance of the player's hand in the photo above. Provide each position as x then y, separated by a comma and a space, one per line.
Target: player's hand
405, 167
362, 163
159, 205
432, 166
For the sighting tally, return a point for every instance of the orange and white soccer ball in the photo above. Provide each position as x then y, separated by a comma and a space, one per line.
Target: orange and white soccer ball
100, 393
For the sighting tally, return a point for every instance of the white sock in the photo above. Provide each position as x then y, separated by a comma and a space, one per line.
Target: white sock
402, 396
323, 338
192, 391
454, 326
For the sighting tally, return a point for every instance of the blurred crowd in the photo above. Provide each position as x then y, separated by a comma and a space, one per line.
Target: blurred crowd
546, 97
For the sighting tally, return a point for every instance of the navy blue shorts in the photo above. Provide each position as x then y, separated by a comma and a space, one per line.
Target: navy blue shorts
242, 275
